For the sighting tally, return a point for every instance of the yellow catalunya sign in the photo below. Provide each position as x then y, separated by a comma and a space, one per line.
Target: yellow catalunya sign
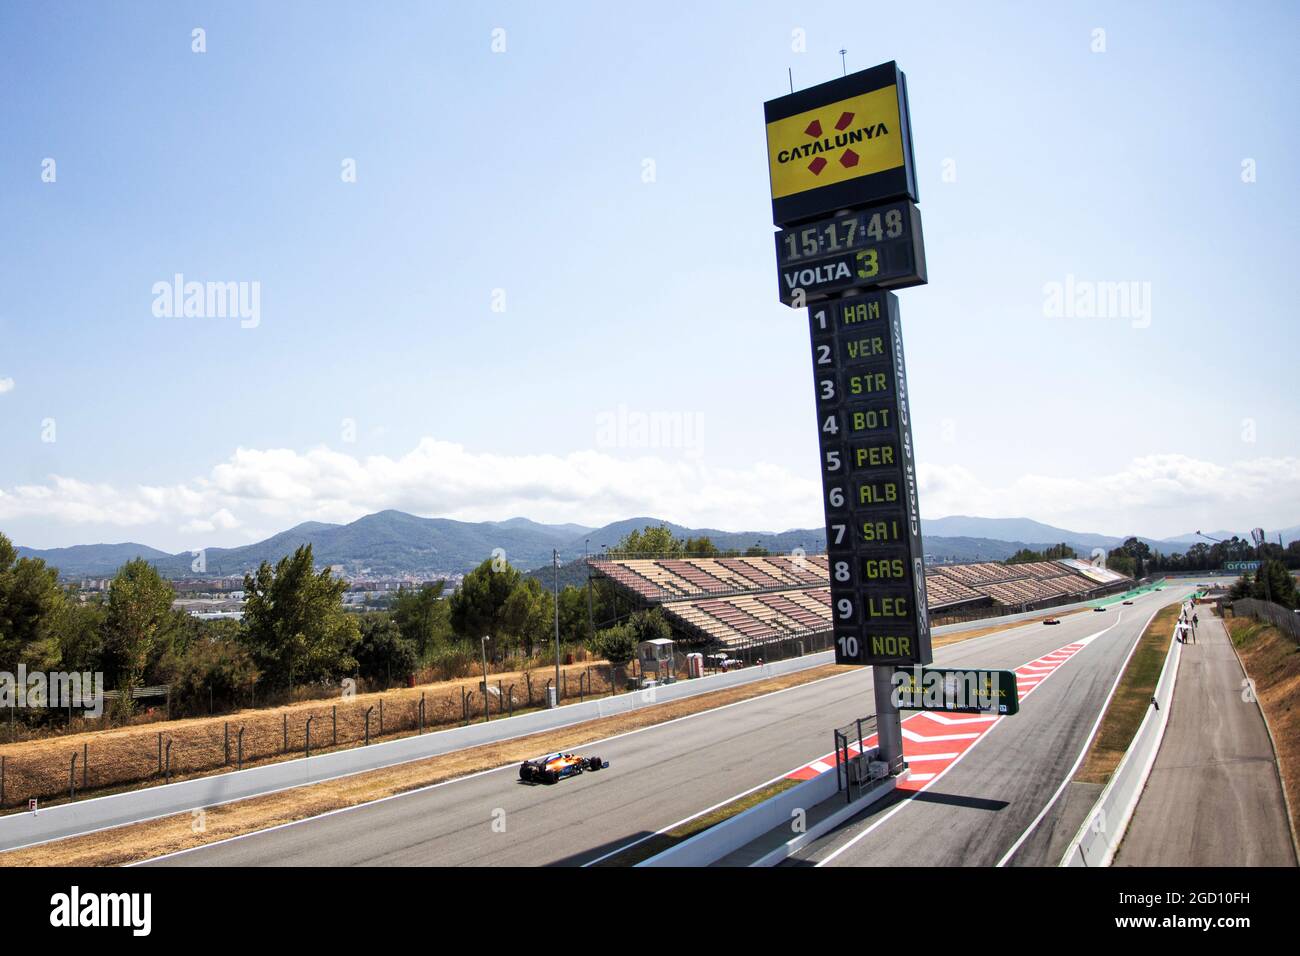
843, 140
843, 144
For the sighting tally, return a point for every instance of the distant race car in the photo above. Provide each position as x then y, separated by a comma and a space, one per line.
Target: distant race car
555, 767
1099, 609
1052, 620
1128, 602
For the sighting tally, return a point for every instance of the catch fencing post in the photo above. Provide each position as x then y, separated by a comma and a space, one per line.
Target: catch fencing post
381, 716
72, 777
421, 711
85, 764
501, 699
368, 710
160, 769
285, 748
334, 716
511, 691
240, 765
2, 780
464, 705
307, 750
227, 725
169, 760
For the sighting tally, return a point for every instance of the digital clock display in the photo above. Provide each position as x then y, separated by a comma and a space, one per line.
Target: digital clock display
857, 230
876, 248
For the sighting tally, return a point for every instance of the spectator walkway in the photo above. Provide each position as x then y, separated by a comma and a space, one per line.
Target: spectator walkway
1214, 797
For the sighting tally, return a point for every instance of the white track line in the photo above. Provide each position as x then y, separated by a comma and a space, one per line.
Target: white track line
904, 802
469, 776
1011, 626
1086, 744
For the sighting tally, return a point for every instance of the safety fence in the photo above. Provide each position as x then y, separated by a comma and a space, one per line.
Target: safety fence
69, 768
1284, 619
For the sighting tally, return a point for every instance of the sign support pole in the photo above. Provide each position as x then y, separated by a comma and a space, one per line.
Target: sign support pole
889, 725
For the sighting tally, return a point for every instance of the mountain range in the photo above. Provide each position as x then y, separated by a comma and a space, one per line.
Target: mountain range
391, 543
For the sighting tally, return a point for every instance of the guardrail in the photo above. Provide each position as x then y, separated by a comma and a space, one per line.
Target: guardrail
70, 819
1284, 619
1099, 836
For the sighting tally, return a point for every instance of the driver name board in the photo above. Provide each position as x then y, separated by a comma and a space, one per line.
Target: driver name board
873, 524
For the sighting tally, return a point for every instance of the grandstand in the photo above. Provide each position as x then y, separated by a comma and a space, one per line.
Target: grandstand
744, 602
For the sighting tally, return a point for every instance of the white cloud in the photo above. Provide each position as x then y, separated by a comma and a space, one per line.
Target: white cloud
6, 385
258, 489
1153, 495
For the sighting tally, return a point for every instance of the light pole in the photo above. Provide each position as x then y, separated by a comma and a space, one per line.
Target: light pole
591, 617
555, 560
486, 710
1263, 570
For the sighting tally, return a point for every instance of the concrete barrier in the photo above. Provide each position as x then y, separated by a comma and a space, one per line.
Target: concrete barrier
1099, 836
731, 834
99, 813
774, 814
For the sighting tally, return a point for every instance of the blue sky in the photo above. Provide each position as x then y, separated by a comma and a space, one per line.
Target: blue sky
380, 372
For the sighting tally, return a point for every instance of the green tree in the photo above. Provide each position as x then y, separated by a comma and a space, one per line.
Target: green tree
1024, 556
650, 625
1241, 588
527, 618
212, 667
423, 618
574, 625
30, 601
1140, 552
651, 540
1119, 560
294, 622
80, 627
384, 653
616, 644
1280, 587
139, 624
478, 606
701, 547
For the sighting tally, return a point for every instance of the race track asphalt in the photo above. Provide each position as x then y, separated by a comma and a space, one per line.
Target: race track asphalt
989, 807
664, 773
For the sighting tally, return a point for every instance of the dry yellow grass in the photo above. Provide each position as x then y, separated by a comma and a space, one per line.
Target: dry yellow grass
141, 841
1132, 699
1272, 661
121, 758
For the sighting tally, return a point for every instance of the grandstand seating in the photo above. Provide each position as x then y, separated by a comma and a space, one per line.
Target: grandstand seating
753, 599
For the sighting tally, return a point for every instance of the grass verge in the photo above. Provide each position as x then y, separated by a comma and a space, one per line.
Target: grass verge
1131, 700
660, 842
152, 838
1272, 662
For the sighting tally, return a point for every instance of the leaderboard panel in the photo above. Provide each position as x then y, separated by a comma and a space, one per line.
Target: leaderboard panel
868, 469
880, 247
